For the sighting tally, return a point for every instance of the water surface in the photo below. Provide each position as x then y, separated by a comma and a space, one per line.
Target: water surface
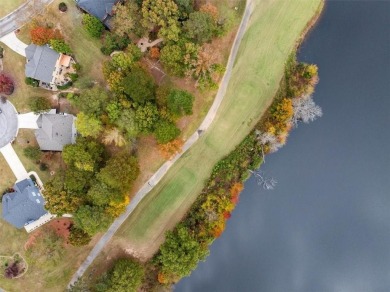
326, 227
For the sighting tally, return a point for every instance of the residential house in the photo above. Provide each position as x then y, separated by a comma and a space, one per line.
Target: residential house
55, 131
24, 207
101, 9
47, 66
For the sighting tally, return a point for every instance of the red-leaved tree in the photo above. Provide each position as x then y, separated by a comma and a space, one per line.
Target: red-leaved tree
6, 84
42, 35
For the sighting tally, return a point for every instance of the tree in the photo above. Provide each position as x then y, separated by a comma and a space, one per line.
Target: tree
268, 183
170, 149
84, 154
126, 276
127, 123
269, 140
91, 101
58, 200
42, 35
139, 85
39, 104
123, 22
77, 180
200, 27
120, 171
177, 58
163, 14
305, 110
6, 84
211, 10
179, 102
77, 237
112, 42
91, 219
93, 25
101, 194
166, 131
60, 46
88, 126
146, 117
185, 7
113, 136
180, 253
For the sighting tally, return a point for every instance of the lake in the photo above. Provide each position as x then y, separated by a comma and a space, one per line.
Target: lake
326, 226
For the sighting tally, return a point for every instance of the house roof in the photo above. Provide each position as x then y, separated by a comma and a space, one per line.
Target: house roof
55, 131
98, 8
65, 60
24, 205
41, 62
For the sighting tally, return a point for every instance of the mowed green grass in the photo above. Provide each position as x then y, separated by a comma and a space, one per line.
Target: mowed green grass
271, 35
7, 6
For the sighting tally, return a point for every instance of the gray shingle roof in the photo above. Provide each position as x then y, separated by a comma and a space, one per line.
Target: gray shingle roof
41, 62
55, 131
98, 8
24, 205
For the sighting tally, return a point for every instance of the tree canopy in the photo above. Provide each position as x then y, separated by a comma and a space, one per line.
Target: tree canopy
138, 85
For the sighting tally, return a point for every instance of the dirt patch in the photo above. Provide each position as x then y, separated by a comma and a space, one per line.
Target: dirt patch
31, 239
61, 227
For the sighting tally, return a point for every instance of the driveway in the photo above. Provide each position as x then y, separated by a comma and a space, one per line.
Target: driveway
28, 121
15, 44
14, 162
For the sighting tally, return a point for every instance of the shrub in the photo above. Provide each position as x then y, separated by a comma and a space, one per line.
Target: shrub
93, 25
6, 84
73, 76
78, 237
77, 67
43, 167
166, 132
60, 46
63, 7
32, 152
39, 104
31, 81
65, 86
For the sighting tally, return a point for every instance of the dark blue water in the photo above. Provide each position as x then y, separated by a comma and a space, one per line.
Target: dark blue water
326, 227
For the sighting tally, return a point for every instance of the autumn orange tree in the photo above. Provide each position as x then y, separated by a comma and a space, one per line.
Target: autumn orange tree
170, 149
42, 35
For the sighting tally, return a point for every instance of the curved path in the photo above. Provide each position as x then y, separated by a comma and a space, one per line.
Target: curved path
21, 15
148, 186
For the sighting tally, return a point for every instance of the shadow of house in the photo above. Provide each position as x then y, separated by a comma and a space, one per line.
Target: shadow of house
101, 9
55, 131
47, 66
24, 206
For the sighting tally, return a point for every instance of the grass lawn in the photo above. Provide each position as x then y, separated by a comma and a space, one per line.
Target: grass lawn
42, 275
272, 33
7, 6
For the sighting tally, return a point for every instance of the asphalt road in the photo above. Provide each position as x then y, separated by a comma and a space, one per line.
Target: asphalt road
21, 15
148, 186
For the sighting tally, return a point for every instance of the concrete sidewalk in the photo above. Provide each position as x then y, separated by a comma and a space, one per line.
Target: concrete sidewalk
15, 44
14, 162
